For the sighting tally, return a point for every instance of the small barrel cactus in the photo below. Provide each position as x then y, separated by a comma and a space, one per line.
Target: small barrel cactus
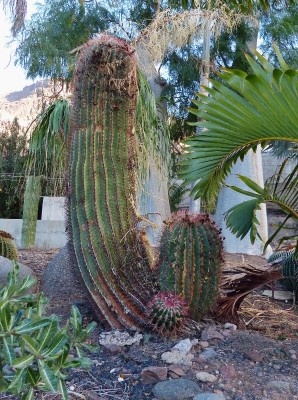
190, 260
167, 312
7, 246
290, 273
289, 269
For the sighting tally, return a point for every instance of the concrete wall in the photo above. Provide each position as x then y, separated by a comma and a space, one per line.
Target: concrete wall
49, 234
53, 208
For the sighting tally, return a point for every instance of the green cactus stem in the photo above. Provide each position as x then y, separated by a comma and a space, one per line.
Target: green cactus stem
7, 246
109, 249
190, 260
167, 312
30, 210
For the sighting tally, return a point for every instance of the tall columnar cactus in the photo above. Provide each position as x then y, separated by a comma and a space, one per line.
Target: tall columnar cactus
30, 210
110, 251
7, 246
190, 260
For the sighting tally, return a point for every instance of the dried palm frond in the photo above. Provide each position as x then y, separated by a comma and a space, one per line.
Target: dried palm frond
237, 283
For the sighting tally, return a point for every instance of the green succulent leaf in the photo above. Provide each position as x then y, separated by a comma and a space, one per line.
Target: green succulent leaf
23, 362
48, 377
29, 395
62, 389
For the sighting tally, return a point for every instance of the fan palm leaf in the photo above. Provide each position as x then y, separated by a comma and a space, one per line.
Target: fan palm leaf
241, 218
248, 110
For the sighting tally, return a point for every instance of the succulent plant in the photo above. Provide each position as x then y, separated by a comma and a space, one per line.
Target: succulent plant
110, 251
8, 248
283, 254
289, 269
290, 274
167, 312
190, 260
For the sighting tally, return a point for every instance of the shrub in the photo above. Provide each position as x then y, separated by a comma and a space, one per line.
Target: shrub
35, 352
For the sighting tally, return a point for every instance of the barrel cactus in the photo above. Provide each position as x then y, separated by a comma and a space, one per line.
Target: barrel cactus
167, 312
190, 260
7, 246
110, 251
289, 269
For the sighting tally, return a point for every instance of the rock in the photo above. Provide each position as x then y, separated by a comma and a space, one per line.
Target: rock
230, 326
151, 375
112, 349
185, 345
209, 353
211, 333
203, 344
203, 376
176, 389
119, 338
61, 280
177, 357
176, 370
254, 356
6, 266
283, 386
225, 332
209, 396
228, 371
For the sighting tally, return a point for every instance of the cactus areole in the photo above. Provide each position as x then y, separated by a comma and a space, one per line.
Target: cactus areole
110, 251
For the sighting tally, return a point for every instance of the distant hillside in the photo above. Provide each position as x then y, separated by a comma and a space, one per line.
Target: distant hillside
25, 104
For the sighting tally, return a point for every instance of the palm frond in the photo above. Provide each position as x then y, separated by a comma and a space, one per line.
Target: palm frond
47, 144
241, 219
248, 110
240, 282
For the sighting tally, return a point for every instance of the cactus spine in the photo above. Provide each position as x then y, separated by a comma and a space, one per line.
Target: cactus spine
190, 260
167, 312
7, 246
109, 250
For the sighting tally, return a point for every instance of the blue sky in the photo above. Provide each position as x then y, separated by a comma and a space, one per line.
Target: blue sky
12, 78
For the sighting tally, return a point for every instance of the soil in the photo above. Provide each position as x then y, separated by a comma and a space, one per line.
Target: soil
264, 349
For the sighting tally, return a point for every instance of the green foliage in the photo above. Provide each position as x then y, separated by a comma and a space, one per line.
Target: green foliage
289, 269
35, 352
8, 248
111, 253
30, 210
56, 29
176, 193
253, 110
151, 130
241, 219
280, 26
167, 312
47, 153
290, 273
190, 260
13, 152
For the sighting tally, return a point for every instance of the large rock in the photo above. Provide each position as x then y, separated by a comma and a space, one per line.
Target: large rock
176, 389
63, 286
6, 266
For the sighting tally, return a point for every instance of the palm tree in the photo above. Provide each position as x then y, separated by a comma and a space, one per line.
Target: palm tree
249, 110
